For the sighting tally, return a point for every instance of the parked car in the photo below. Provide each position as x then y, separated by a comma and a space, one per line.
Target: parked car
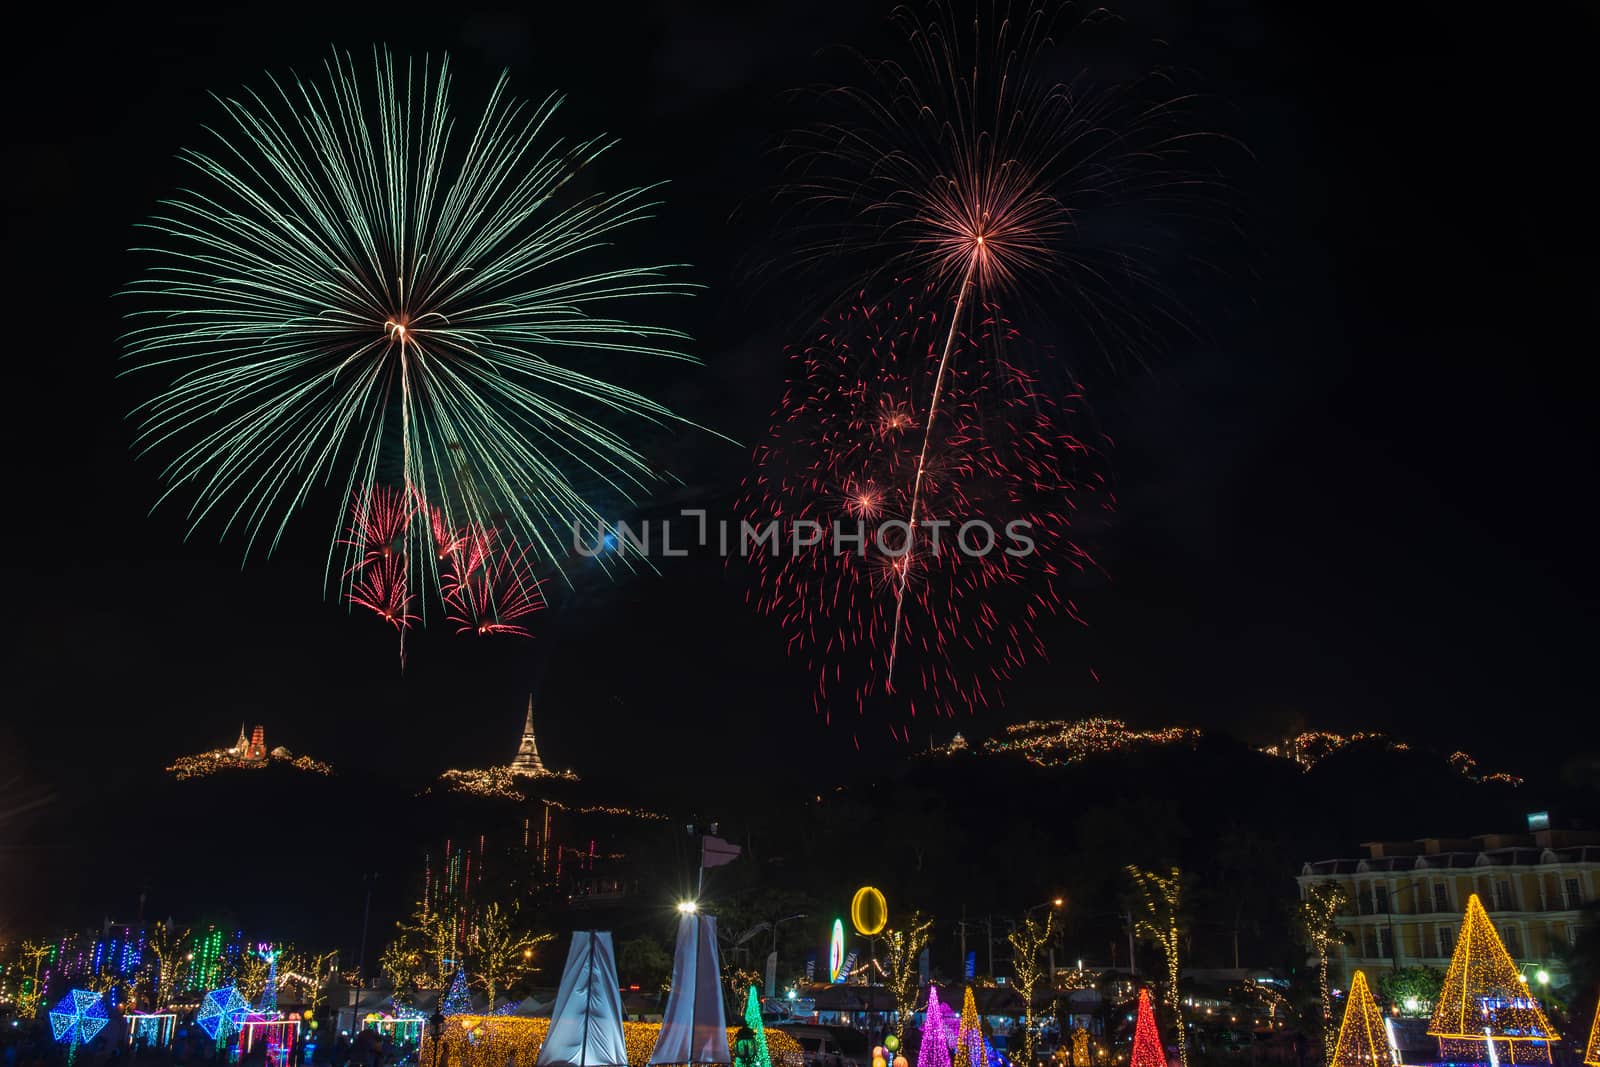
831, 1046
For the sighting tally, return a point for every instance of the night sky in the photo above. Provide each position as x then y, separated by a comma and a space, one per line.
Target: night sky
1360, 498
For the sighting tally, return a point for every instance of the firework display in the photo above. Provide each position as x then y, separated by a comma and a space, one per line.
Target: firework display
997, 483
356, 289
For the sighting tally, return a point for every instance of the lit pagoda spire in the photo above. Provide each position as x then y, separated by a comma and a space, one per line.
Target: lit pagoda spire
528, 752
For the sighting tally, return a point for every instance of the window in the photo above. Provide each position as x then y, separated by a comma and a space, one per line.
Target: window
1514, 940
1385, 942
1503, 901
1574, 895
1380, 899
1441, 896
1447, 941
1419, 894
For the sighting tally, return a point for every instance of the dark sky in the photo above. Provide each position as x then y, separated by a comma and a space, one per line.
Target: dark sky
1363, 499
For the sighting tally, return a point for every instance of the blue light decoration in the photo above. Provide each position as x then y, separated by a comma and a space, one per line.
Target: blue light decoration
219, 1012
457, 1001
78, 1018
268, 1003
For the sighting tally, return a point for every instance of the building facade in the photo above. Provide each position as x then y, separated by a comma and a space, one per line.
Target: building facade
1406, 899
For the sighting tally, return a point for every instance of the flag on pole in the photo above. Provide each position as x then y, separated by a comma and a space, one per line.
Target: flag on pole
715, 852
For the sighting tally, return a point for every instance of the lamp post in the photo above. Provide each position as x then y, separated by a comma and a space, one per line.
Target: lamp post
436, 1028
772, 968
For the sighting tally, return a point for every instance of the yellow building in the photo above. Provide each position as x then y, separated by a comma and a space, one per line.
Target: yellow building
1407, 898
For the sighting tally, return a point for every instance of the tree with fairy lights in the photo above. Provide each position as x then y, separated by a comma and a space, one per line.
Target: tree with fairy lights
502, 951
1363, 1040
1158, 917
424, 952
1318, 922
904, 978
1027, 963
1485, 1004
32, 957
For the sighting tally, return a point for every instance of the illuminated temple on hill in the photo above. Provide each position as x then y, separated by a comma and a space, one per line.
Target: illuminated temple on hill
506, 781
250, 752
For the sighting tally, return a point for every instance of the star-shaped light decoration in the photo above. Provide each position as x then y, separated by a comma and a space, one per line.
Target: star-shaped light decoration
78, 1017
219, 1011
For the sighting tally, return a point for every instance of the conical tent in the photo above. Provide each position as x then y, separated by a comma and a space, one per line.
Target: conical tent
1363, 1041
1484, 999
1147, 1051
969, 1036
694, 1027
586, 1021
752, 1019
935, 1050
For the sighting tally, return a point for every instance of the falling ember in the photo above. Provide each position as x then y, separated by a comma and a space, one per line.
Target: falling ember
998, 450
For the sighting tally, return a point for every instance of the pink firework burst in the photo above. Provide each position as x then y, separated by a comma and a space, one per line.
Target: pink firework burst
382, 588
489, 590
380, 517
935, 626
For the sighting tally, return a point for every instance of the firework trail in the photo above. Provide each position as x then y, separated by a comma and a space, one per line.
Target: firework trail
355, 290
974, 169
847, 448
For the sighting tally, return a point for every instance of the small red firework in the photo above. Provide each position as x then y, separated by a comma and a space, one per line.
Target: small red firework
382, 588
488, 591
957, 535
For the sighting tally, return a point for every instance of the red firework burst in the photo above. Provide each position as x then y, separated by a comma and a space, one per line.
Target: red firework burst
995, 450
976, 165
383, 589
379, 519
488, 590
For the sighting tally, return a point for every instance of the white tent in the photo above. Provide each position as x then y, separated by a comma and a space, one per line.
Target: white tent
693, 1026
586, 1023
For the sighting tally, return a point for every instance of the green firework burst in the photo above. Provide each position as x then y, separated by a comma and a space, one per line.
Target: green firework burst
353, 290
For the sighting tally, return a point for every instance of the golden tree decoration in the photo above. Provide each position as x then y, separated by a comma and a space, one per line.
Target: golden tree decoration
502, 951
167, 946
1591, 1055
1159, 900
969, 1034
1363, 1041
32, 955
1318, 920
904, 976
1027, 947
1485, 1000
423, 953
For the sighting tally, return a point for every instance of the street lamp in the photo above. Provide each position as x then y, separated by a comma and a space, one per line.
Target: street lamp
688, 907
436, 1028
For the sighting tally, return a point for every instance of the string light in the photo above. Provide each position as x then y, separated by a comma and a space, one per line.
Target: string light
78, 1017
493, 1040
219, 1013
1147, 1051
1485, 1001
1054, 743
1363, 1041
243, 756
1591, 1055
752, 1019
935, 1050
969, 1035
